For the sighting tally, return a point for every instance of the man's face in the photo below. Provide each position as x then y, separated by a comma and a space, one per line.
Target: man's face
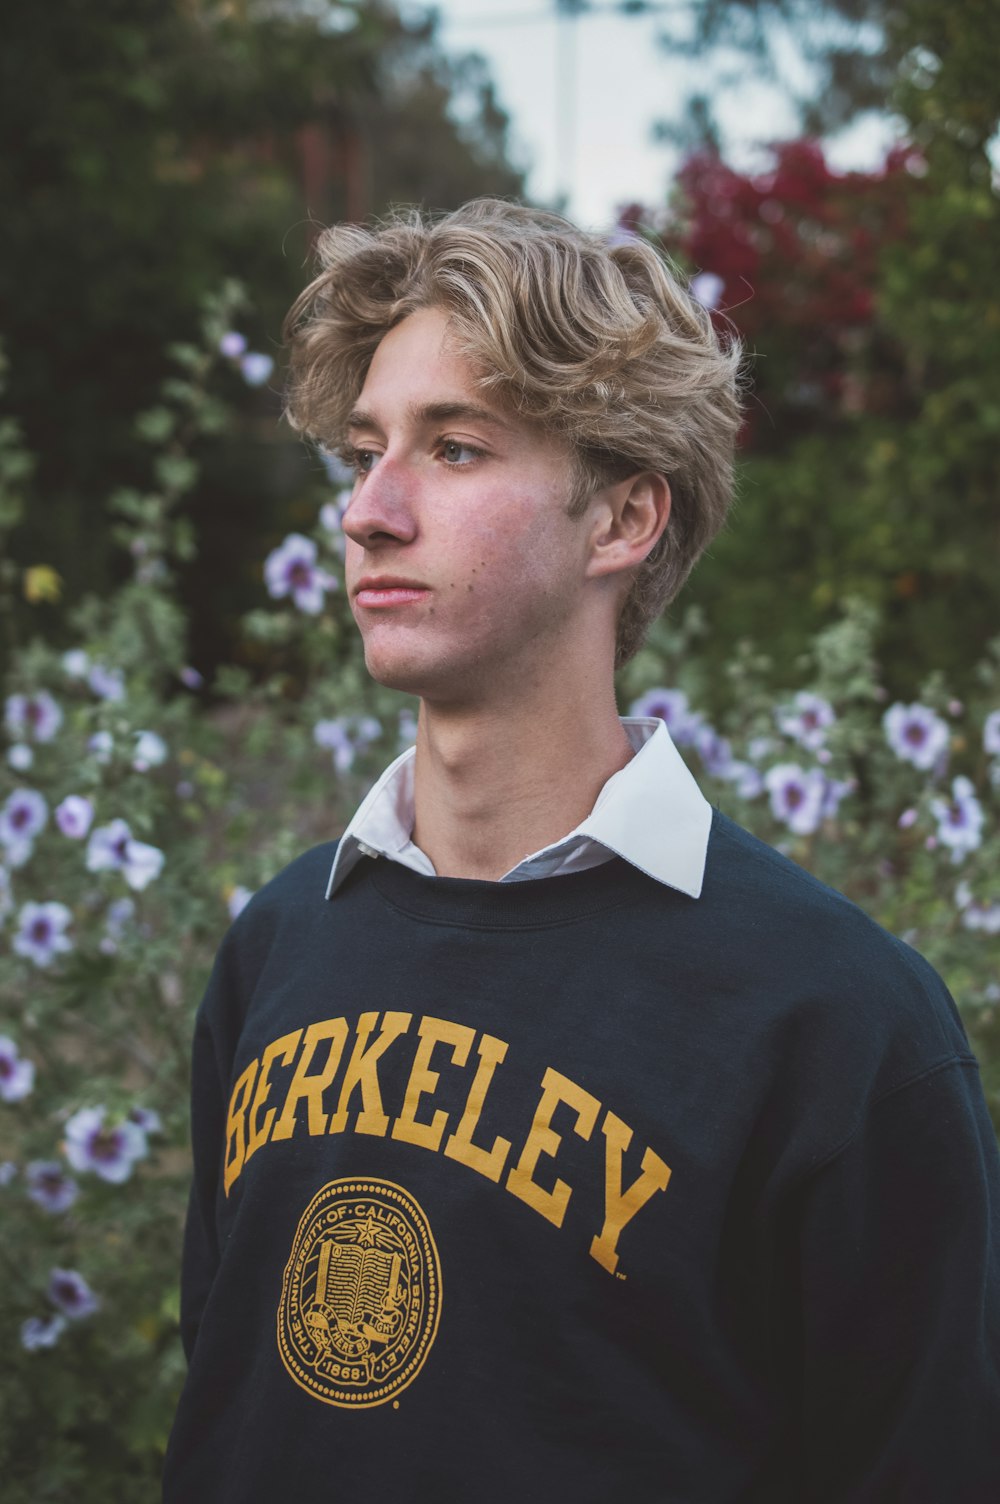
466, 573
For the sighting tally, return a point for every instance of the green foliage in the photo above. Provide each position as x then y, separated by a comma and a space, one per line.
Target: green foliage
156, 148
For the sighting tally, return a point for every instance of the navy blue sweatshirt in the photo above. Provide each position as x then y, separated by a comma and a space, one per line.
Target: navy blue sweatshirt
581, 1189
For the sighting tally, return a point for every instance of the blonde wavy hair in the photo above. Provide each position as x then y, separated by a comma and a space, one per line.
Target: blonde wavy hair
596, 341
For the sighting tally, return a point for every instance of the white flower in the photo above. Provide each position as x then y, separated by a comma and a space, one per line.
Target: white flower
991, 733
960, 819
74, 816
20, 757
113, 848
797, 796
291, 569
806, 720
150, 751
42, 932
36, 716
17, 1076
707, 288
76, 663
238, 900
916, 734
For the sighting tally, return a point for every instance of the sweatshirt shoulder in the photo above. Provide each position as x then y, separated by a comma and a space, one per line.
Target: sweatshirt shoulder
811, 938
289, 903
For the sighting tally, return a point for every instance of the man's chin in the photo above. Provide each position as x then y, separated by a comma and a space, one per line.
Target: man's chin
443, 683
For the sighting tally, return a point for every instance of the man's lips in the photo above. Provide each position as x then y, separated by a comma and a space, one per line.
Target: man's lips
373, 592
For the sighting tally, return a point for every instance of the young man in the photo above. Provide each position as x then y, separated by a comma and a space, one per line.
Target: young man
554, 1139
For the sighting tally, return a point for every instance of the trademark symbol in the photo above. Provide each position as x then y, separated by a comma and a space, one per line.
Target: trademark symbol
620, 1276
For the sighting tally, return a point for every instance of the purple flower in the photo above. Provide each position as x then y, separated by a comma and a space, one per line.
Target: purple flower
191, 678
23, 816
238, 900
907, 819
407, 728
960, 819
120, 914
8, 1172
746, 779
671, 707
256, 368
291, 569
232, 344
49, 1186
345, 736
42, 933
17, 1076
707, 288
976, 913
71, 1294
74, 816
714, 750
107, 683
797, 796
102, 745
109, 1150
20, 757
991, 733
41, 1331
145, 1118
339, 474
834, 790
36, 716
112, 848
916, 734
806, 720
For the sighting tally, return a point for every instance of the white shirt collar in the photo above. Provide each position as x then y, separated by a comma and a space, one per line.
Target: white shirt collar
651, 813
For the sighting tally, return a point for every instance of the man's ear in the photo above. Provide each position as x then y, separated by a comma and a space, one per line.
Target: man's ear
630, 516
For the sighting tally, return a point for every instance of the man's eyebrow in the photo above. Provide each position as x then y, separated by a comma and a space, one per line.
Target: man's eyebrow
429, 413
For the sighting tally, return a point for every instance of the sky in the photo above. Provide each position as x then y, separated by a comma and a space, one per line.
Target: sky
614, 82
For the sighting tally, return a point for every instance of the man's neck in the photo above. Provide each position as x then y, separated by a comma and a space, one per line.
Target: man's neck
493, 785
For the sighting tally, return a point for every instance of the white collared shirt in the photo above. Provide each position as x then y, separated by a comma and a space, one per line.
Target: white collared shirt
651, 812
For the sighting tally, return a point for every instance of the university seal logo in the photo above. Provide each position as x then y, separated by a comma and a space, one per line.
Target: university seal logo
361, 1294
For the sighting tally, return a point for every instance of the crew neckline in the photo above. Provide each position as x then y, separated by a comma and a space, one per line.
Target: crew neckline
471, 903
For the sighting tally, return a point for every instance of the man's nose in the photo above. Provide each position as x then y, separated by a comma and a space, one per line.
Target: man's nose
382, 508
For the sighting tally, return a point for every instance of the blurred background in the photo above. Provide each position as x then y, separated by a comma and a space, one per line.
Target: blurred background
828, 169
185, 707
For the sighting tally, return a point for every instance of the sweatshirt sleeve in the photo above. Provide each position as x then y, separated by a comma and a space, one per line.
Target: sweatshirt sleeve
898, 1268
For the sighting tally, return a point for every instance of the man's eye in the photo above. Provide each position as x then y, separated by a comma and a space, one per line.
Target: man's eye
459, 454
362, 460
